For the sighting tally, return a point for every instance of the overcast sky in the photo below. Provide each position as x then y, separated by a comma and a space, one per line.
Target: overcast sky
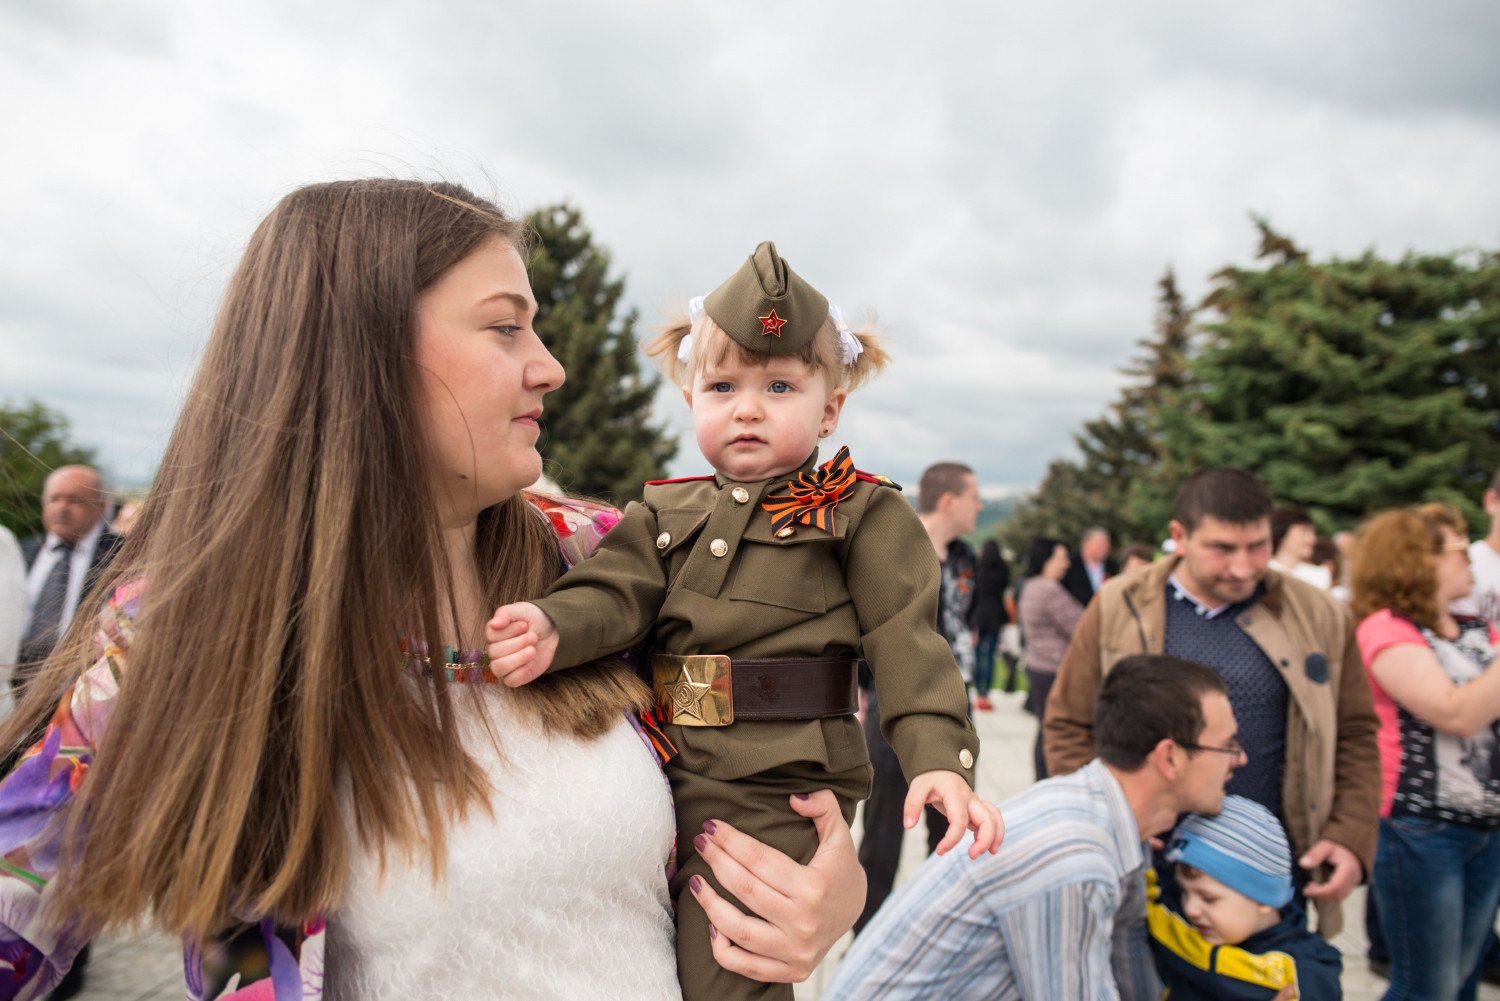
1002, 184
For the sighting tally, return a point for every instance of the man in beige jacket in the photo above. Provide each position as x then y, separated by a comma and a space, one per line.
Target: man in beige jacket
1286, 652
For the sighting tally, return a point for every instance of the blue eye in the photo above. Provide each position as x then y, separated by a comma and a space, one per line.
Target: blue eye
506, 329
721, 387
781, 387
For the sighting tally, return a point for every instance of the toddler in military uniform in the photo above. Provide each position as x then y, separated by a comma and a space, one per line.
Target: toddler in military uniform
761, 588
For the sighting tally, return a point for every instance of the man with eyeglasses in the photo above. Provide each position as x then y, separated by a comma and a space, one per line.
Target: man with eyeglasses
1287, 654
1059, 913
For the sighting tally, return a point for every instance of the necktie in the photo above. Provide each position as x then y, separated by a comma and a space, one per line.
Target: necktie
47, 614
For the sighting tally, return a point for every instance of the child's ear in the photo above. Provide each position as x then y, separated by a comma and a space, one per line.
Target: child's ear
833, 408
687, 394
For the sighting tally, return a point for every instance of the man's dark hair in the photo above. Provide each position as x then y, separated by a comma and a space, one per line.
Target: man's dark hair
1147, 698
1233, 496
938, 479
1282, 520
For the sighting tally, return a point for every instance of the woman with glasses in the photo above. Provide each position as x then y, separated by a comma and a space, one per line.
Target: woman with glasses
1437, 692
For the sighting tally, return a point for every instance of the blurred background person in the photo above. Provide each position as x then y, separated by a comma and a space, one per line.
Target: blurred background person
1137, 556
12, 611
124, 519
1484, 560
1325, 556
1293, 536
1049, 613
1093, 566
62, 562
1434, 677
989, 616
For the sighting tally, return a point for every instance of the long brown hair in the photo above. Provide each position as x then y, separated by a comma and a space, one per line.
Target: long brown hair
1394, 564
289, 541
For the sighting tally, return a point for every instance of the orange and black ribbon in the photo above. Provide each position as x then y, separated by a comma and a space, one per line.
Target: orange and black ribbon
810, 498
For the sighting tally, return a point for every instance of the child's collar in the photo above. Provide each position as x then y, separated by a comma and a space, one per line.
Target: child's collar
806, 467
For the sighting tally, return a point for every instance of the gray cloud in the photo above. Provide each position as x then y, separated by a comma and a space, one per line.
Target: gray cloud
1000, 185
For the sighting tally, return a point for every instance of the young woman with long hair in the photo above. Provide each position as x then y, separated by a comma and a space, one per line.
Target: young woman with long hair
299, 731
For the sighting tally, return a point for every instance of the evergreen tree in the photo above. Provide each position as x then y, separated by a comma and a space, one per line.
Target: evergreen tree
1118, 479
33, 442
1348, 385
1163, 375
600, 440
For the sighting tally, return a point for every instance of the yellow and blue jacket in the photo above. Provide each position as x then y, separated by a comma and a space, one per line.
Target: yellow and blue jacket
1257, 969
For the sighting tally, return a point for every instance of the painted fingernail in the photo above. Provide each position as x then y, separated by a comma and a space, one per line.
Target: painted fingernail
696, 884
713, 932
708, 825
801, 795
700, 843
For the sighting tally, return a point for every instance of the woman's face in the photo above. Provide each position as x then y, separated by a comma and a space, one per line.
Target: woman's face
1057, 564
1455, 578
483, 373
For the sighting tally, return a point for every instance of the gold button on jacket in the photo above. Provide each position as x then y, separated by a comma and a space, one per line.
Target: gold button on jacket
869, 589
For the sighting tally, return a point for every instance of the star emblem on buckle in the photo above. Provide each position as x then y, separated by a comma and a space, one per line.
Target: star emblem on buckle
693, 689
770, 325
686, 695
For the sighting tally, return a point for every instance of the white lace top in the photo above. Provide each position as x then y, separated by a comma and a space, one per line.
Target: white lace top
562, 894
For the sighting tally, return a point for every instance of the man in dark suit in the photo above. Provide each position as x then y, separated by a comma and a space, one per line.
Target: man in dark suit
1092, 565
61, 567
62, 564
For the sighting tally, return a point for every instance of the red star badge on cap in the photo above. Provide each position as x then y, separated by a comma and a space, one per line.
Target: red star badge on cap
770, 326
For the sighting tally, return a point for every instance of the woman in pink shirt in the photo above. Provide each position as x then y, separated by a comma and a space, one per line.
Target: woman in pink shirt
1437, 691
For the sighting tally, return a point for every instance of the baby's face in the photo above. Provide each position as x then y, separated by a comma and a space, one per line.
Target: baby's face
755, 422
1222, 916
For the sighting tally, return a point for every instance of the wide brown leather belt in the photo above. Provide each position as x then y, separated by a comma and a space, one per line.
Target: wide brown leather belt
712, 690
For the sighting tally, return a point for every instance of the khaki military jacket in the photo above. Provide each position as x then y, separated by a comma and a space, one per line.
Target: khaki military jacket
868, 589
1331, 782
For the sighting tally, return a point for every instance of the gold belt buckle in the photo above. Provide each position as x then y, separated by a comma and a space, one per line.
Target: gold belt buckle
694, 690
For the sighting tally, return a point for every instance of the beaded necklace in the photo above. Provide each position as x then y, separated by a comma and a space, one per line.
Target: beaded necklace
472, 667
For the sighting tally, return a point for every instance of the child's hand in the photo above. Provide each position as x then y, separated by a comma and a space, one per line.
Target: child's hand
964, 809
521, 643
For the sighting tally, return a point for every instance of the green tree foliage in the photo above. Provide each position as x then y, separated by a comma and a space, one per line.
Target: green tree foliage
599, 441
1348, 385
1119, 475
33, 442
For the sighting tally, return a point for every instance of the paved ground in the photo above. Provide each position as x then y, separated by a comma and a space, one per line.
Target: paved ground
150, 969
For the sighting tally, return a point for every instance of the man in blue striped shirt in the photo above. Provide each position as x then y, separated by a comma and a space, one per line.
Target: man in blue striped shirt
1059, 914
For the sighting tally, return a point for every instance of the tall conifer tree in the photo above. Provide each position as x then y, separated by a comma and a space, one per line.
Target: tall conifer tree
1117, 480
1349, 385
600, 440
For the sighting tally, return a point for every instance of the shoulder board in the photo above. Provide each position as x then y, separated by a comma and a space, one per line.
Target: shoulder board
680, 479
884, 481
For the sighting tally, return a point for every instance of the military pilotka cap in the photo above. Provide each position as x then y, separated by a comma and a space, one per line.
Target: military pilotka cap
765, 307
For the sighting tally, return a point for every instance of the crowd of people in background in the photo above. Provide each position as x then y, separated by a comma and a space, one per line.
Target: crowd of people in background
1361, 668
1387, 670
1234, 729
